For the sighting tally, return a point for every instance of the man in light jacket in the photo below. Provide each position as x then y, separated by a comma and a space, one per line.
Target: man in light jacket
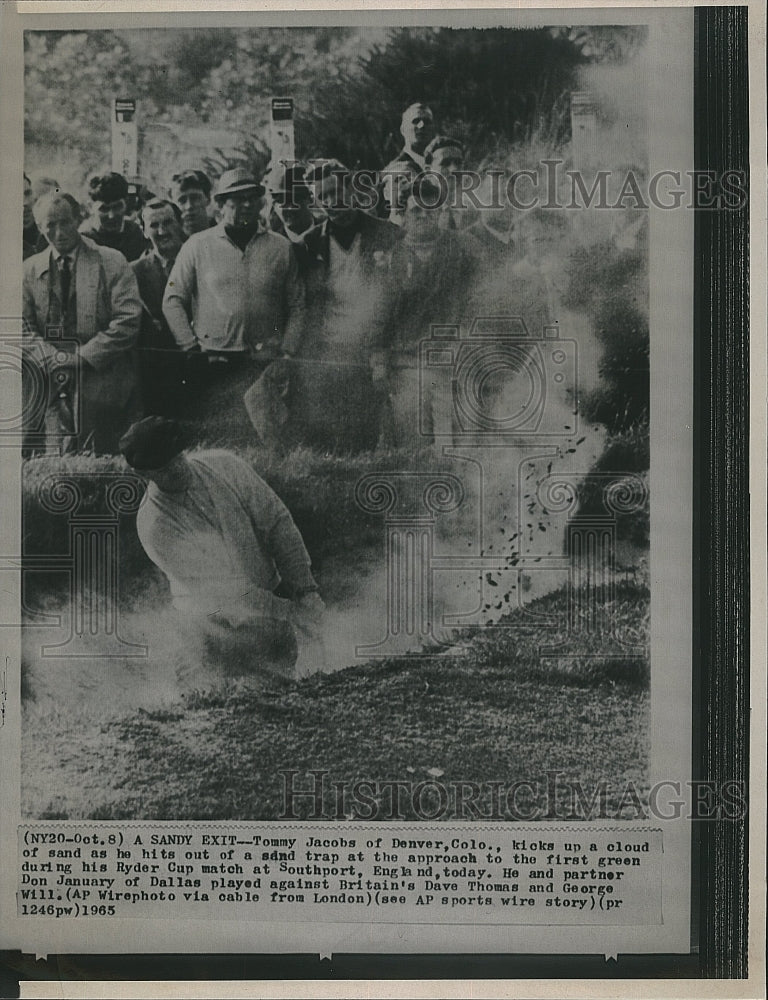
233, 296
81, 316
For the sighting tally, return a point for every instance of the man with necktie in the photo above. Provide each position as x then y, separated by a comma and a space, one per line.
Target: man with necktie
81, 315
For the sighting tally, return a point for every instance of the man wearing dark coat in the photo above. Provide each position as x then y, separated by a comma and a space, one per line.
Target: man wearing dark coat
191, 191
109, 197
160, 359
417, 128
337, 379
434, 273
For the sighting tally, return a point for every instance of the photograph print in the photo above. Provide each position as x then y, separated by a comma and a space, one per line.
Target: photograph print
336, 425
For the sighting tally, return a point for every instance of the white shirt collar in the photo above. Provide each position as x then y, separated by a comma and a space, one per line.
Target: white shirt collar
71, 255
417, 157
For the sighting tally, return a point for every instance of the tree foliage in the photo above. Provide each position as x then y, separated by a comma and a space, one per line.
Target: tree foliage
607, 43
221, 77
492, 87
350, 85
71, 78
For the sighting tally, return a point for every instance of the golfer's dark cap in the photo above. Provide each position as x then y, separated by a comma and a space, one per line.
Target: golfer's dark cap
152, 443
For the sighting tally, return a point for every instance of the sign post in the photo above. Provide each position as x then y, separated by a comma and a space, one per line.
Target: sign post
282, 134
583, 128
125, 138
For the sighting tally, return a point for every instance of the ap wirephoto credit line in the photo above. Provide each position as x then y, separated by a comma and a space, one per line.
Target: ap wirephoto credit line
350, 450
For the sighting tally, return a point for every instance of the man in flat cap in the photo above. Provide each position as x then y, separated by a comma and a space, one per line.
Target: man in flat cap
226, 543
109, 194
290, 212
417, 127
233, 296
81, 313
191, 191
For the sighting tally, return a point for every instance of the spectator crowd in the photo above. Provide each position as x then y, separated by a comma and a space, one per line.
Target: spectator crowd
291, 304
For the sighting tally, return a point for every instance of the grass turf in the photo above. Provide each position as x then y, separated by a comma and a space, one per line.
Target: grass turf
497, 713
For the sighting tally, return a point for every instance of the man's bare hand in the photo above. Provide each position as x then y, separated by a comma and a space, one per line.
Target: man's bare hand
311, 607
308, 612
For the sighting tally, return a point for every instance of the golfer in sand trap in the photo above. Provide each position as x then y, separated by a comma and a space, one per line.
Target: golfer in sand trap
226, 543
